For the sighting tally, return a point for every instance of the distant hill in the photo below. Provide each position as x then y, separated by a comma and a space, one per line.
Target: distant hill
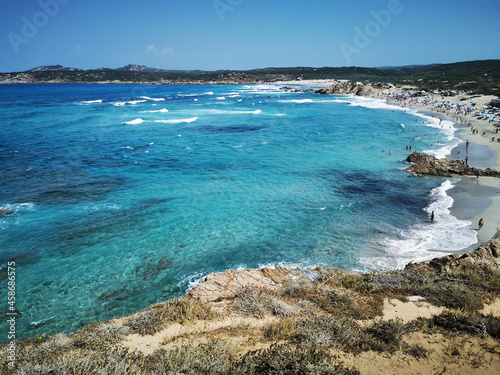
482, 76
45, 68
138, 68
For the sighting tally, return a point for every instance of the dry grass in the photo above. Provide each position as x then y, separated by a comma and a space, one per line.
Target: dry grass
156, 317
339, 311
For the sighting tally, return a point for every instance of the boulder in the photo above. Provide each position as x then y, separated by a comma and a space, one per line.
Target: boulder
226, 285
428, 165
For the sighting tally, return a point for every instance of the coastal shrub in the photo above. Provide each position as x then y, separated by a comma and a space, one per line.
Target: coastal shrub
116, 362
297, 289
462, 322
100, 336
323, 331
253, 302
286, 359
280, 308
391, 280
416, 351
492, 325
357, 282
453, 296
146, 322
185, 309
481, 277
348, 303
384, 335
213, 357
181, 310
38, 351
281, 329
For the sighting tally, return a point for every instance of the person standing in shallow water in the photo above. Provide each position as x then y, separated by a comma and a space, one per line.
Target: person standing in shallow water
481, 223
432, 217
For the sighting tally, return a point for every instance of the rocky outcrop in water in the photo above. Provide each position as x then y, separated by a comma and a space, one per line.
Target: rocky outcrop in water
343, 88
428, 165
226, 285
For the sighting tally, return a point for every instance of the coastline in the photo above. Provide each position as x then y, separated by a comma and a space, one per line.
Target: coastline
482, 193
485, 187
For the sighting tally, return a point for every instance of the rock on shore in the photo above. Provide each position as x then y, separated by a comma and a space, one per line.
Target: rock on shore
428, 165
226, 285
488, 254
343, 88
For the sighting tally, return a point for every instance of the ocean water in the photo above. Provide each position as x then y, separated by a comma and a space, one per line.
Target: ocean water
116, 197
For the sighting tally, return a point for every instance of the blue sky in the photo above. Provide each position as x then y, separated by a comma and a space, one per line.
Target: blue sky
245, 34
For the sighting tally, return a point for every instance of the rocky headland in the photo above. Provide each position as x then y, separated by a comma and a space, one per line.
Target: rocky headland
347, 87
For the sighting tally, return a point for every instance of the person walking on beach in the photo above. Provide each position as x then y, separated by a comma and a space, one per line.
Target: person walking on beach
481, 223
432, 217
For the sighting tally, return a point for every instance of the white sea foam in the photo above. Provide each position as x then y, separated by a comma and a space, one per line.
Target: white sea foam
177, 121
90, 101
13, 212
445, 126
102, 207
13, 208
153, 99
374, 104
229, 112
163, 110
221, 98
134, 122
298, 101
132, 102
41, 321
426, 241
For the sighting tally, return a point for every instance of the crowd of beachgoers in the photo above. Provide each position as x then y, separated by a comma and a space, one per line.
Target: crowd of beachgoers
459, 108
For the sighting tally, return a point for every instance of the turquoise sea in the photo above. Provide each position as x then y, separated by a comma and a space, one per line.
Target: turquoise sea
115, 197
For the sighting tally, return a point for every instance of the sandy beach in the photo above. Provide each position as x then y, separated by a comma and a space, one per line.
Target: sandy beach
479, 132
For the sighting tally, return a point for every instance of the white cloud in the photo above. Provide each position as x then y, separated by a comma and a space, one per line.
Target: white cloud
151, 48
167, 51
170, 51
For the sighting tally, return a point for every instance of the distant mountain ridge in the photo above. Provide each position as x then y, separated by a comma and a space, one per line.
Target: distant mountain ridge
482, 76
139, 68
45, 68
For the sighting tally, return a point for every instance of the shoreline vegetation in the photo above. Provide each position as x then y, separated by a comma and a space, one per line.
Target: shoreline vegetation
439, 316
